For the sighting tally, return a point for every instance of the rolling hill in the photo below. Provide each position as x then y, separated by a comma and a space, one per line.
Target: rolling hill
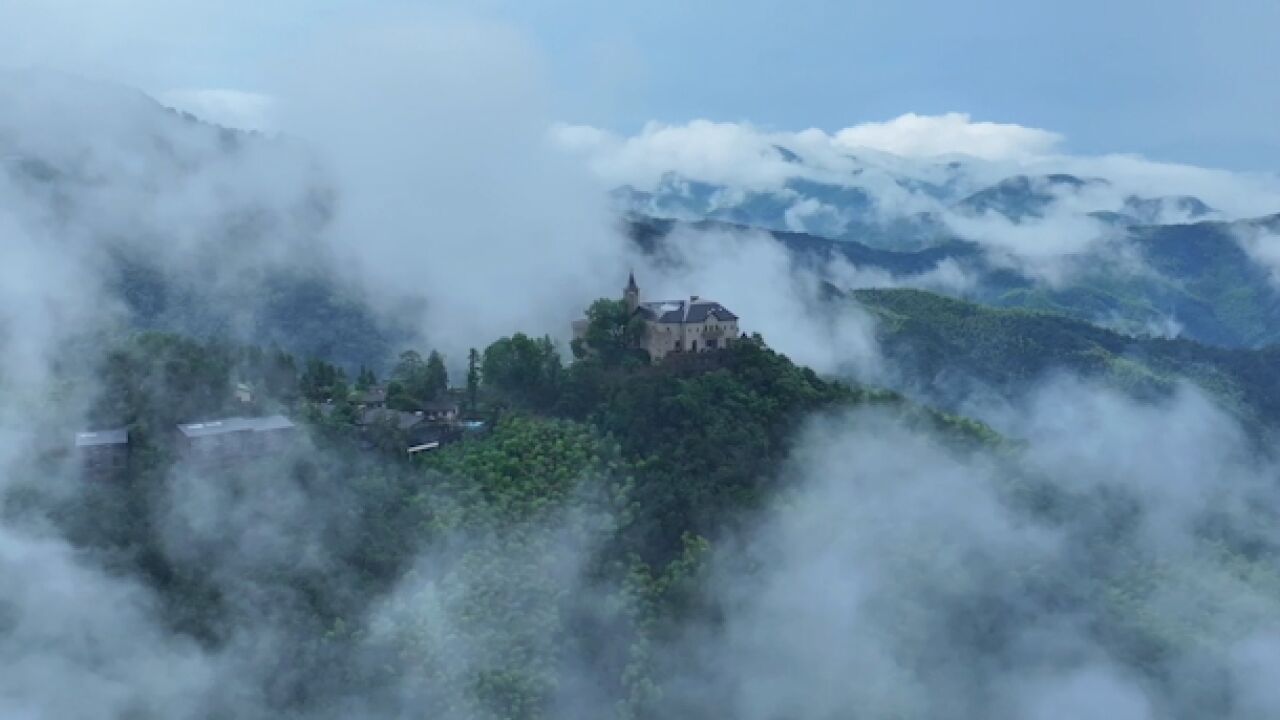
947, 349
1194, 281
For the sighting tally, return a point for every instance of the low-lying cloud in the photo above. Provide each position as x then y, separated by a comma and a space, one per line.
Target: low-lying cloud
1119, 563
1263, 246
906, 579
759, 280
889, 160
236, 109
929, 136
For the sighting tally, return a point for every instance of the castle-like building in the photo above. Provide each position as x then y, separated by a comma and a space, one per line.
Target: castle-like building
693, 325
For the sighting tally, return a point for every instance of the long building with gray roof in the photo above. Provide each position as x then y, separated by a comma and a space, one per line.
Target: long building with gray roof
236, 437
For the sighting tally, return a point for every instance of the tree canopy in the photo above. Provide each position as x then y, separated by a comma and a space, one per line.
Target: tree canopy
613, 334
523, 370
415, 381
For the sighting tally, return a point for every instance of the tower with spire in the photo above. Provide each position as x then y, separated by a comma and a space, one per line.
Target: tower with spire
631, 293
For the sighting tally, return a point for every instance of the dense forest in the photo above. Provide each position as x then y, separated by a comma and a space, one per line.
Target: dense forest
558, 563
636, 467
948, 349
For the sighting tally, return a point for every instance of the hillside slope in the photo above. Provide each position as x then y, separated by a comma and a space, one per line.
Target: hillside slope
952, 347
1195, 280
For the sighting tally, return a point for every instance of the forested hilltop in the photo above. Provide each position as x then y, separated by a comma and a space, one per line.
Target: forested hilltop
572, 559
609, 474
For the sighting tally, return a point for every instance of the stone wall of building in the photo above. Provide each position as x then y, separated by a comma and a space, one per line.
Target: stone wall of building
664, 338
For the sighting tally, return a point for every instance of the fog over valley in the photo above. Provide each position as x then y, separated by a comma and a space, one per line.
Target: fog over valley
455, 361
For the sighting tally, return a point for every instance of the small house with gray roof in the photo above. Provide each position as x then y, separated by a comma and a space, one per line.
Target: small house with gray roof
693, 325
372, 397
103, 454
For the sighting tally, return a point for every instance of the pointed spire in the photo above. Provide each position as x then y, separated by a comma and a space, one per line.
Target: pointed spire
632, 293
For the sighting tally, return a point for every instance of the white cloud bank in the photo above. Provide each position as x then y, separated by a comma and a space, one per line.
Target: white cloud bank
908, 580
1263, 247
913, 135
953, 152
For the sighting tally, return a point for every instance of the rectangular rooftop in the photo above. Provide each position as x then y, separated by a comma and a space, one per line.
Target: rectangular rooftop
235, 424
95, 438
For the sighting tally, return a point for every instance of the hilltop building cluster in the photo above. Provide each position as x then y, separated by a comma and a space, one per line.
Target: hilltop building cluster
674, 326
104, 454
435, 422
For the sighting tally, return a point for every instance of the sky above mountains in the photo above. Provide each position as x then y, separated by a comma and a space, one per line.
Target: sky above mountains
1182, 81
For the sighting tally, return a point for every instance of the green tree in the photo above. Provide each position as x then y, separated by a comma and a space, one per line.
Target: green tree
280, 376
408, 387
409, 368
613, 334
365, 379
524, 370
398, 398
417, 380
473, 378
436, 378
159, 379
322, 381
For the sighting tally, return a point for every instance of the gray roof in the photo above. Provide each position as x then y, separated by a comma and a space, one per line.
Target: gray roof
235, 424
375, 394
440, 405
94, 438
270, 422
702, 311
685, 311
401, 419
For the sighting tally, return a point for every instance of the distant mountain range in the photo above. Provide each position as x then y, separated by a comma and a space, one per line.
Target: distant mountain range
915, 214
176, 214
1194, 280
1117, 245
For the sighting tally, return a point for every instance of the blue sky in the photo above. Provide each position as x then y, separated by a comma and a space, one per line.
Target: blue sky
1177, 80
1184, 80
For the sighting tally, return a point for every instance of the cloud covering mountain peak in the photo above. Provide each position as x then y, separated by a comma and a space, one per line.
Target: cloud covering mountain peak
912, 163
954, 133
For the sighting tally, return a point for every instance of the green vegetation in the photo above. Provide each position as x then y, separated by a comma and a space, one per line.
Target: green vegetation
305, 312
513, 505
365, 378
415, 381
473, 379
322, 381
929, 336
612, 335
523, 371
492, 576
610, 474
